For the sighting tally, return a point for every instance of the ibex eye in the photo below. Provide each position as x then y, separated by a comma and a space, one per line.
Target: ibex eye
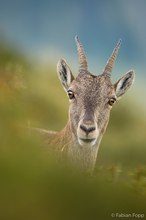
111, 101
70, 94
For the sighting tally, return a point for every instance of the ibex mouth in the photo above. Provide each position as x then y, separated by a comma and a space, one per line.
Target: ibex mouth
85, 141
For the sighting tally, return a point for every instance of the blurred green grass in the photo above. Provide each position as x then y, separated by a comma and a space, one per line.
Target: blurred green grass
33, 184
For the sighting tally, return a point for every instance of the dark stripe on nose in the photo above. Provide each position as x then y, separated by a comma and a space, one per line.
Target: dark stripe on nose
87, 129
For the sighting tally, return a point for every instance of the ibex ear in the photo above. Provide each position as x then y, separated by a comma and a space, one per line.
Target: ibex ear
124, 83
64, 73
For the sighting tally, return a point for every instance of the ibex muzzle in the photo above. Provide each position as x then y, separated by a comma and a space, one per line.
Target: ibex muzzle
87, 130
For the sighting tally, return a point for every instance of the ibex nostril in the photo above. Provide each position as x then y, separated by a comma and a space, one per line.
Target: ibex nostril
87, 129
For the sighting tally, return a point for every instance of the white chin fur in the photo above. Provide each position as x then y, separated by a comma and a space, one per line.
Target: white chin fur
85, 143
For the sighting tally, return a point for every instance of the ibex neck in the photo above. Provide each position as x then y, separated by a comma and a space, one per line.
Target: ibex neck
85, 156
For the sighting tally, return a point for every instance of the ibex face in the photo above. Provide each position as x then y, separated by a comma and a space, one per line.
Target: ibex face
91, 97
89, 107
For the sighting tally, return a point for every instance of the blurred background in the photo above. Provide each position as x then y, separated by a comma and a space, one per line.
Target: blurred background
34, 35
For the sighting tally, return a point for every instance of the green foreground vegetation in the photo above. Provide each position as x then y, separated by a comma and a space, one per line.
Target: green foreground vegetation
33, 185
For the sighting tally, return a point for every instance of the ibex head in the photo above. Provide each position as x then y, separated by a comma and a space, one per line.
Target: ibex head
91, 97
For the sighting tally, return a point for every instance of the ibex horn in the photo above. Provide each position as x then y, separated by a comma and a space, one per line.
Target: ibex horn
81, 55
111, 60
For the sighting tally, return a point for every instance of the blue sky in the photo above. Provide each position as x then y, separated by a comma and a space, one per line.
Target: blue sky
46, 29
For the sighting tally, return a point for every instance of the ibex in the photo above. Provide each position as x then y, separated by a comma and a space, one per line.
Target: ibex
91, 99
